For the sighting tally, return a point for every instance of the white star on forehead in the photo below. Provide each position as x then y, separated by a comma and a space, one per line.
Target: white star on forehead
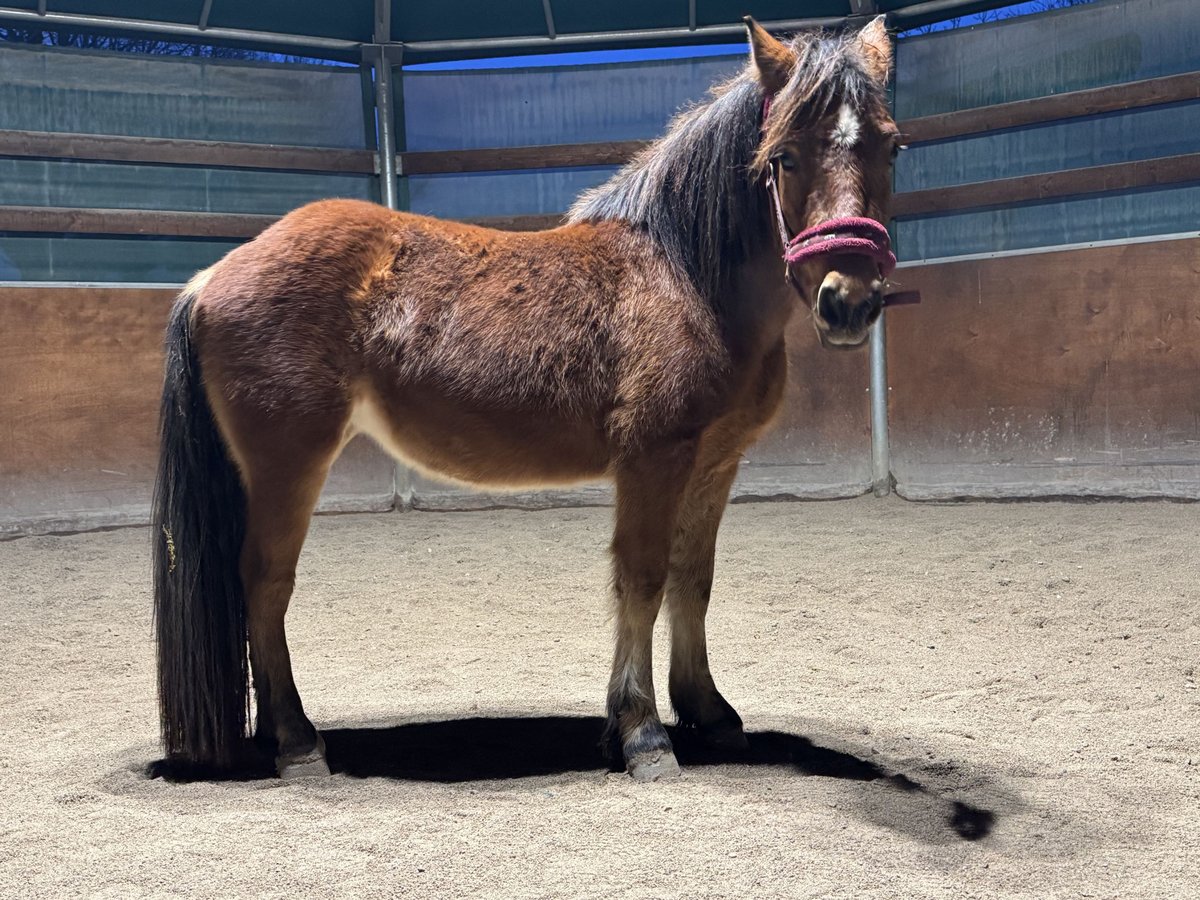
848, 128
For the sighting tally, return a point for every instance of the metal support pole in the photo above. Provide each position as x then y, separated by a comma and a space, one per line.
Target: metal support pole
881, 468
881, 451
381, 26
385, 56
389, 194
381, 61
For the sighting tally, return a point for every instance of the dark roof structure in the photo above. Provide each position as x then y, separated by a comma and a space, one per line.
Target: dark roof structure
462, 29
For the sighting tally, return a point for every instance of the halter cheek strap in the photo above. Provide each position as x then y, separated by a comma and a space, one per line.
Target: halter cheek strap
846, 236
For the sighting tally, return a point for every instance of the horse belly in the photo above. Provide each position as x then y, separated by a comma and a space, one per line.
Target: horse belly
495, 449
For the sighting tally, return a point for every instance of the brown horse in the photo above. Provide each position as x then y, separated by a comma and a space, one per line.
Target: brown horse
643, 342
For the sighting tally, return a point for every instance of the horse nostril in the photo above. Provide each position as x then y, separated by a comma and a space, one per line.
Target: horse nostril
830, 306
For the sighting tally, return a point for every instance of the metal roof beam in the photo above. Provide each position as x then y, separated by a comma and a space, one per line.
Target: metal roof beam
532, 42
541, 42
938, 10
920, 13
173, 29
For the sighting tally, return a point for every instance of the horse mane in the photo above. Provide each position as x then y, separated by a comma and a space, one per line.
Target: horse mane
693, 191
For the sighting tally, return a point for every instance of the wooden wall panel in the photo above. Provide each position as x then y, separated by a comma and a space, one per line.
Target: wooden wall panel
80, 374
80, 371
1072, 372
1069, 372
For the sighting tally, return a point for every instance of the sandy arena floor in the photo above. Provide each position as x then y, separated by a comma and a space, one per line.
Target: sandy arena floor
952, 701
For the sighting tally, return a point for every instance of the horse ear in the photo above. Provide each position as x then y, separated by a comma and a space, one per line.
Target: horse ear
876, 47
773, 60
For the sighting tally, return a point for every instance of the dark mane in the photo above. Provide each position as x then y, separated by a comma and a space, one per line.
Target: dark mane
694, 190
689, 189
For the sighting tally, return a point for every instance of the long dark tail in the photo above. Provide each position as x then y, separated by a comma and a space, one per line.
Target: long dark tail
199, 522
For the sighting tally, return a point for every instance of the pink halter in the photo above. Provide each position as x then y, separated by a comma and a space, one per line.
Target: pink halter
851, 235
865, 237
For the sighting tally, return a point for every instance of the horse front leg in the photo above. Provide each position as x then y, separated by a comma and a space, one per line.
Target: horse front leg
648, 494
694, 695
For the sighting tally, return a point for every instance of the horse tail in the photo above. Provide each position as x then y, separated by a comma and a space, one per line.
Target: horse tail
199, 523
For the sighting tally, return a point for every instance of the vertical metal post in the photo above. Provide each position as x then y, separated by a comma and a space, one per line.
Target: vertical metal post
385, 121
389, 196
881, 467
881, 453
385, 56
381, 26
385, 126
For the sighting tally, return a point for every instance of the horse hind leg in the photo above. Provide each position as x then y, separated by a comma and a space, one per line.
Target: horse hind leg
284, 468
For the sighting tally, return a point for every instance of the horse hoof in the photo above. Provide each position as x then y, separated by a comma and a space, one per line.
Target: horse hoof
305, 765
653, 765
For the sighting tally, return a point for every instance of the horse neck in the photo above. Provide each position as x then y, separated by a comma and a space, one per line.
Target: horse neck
759, 301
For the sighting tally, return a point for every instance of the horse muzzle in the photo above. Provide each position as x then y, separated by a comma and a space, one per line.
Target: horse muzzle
849, 299
845, 308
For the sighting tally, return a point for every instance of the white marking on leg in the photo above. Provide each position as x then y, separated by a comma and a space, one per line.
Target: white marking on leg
848, 128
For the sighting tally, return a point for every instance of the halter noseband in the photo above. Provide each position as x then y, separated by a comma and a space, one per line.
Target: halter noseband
846, 236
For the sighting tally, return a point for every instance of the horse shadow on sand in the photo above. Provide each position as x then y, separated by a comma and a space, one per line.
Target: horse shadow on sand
487, 749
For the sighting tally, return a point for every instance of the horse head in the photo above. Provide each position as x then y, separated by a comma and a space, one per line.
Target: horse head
825, 158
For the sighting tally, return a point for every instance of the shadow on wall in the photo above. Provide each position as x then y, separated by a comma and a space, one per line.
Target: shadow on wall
496, 749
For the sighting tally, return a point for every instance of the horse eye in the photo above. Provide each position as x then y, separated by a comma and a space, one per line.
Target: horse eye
785, 160
896, 148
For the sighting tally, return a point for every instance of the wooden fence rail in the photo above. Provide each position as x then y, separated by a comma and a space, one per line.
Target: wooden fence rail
174, 223
1138, 173
224, 154
1055, 108
502, 159
978, 195
177, 152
